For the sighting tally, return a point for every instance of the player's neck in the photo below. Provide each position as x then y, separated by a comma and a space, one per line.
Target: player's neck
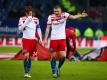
29, 16
58, 15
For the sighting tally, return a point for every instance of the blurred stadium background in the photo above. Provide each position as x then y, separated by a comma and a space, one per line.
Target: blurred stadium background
10, 11
95, 24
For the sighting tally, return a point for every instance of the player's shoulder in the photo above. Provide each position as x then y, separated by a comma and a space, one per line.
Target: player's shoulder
23, 17
35, 18
52, 16
64, 13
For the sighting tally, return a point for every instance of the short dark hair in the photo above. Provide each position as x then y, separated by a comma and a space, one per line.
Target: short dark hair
28, 8
57, 6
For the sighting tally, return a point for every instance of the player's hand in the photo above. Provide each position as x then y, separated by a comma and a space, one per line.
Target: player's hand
44, 43
30, 18
40, 42
84, 14
37, 40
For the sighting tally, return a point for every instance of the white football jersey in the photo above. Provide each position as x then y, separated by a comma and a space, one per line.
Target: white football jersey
28, 26
58, 25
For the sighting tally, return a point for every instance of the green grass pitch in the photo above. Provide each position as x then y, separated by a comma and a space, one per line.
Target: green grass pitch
13, 70
9, 49
16, 49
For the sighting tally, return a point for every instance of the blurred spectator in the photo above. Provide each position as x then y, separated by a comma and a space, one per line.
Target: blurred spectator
13, 13
13, 9
3, 3
70, 41
98, 34
89, 35
77, 32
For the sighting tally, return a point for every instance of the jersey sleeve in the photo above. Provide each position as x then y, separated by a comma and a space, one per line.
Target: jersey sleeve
73, 37
39, 32
49, 22
66, 14
38, 26
22, 24
38, 22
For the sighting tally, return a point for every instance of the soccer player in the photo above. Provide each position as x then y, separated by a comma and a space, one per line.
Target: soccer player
57, 22
28, 25
71, 41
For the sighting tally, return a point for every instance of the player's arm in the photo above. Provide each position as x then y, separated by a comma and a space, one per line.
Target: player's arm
49, 22
83, 14
22, 25
74, 41
39, 33
47, 32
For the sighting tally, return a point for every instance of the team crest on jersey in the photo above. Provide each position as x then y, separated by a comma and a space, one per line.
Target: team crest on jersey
63, 17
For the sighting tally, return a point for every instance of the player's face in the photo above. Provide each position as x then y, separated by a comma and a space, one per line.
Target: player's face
29, 13
57, 11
